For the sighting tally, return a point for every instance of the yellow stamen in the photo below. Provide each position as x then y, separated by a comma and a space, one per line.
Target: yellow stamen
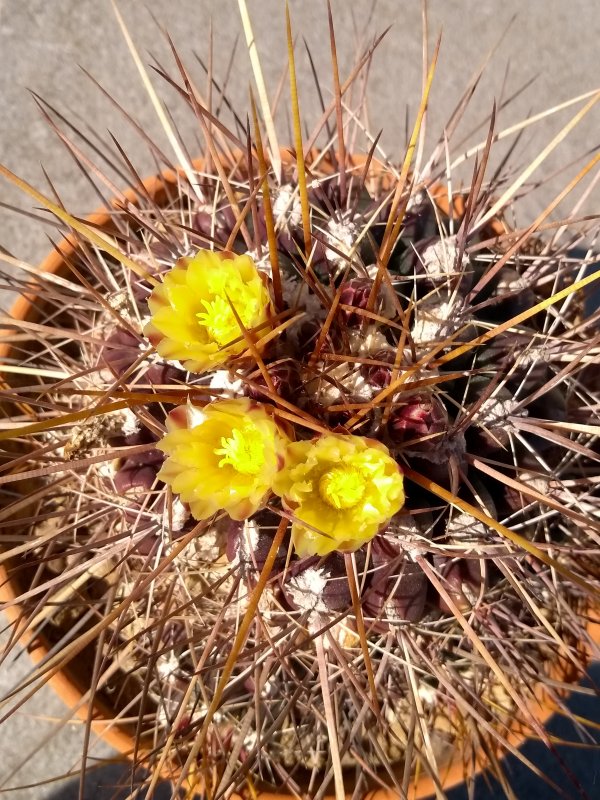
342, 487
219, 321
243, 450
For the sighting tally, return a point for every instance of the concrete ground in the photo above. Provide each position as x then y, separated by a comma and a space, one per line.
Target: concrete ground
551, 43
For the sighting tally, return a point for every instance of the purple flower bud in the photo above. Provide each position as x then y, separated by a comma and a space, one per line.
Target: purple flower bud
398, 587
510, 296
423, 415
462, 578
232, 546
336, 594
308, 335
139, 490
437, 467
138, 479
289, 235
286, 381
379, 375
161, 374
337, 420
355, 292
120, 351
215, 225
149, 458
511, 501
326, 195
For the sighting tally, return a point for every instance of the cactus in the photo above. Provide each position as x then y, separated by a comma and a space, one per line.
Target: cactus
313, 465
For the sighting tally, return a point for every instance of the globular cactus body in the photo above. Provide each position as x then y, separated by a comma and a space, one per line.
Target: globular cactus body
357, 483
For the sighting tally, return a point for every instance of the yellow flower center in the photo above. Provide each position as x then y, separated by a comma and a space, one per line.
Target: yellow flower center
219, 320
342, 487
244, 451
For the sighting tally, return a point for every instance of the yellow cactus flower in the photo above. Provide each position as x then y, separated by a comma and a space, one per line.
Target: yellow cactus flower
192, 320
341, 490
222, 457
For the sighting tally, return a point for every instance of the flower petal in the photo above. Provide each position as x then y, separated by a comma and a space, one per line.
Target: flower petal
222, 457
343, 488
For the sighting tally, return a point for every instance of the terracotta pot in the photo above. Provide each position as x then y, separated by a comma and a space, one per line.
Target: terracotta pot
70, 685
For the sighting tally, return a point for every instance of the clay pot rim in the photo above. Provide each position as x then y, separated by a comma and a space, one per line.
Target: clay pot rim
121, 736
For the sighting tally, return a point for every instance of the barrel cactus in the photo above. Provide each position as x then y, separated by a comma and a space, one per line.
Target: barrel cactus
318, 445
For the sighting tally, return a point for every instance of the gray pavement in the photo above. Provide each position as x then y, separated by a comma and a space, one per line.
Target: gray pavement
551, 42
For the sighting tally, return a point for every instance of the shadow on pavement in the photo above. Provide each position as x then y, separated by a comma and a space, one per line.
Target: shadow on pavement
108, 783
577, 778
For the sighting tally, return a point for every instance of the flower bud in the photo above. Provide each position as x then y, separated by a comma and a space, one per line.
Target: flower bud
435, 464
355, 292
398, 587
148, 458
462, 578
133, 478
379, 375
336, 593
308, 335
162, 374
215, 225
423, 415
511, 296
120, 351
285, 378
173, 635
511, 501
160, 258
